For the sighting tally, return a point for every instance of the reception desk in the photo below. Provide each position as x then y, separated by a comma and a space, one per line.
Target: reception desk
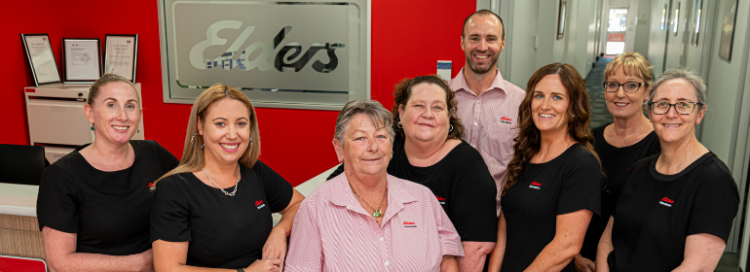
19, 228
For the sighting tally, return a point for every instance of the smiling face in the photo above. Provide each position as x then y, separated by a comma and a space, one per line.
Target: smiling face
115, 113
549, 107
226, 131
482, 43
367, 148
672, 126
622, 104
425, 116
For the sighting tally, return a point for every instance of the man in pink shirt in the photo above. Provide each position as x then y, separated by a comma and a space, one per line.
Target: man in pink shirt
487, 103
365, 219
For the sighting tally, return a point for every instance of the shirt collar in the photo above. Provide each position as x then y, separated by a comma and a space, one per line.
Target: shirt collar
344, 196
459, 83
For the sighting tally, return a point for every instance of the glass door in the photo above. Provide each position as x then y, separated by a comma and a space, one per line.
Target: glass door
618, 18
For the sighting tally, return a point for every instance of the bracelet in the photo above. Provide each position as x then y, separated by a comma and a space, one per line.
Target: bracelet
240, 270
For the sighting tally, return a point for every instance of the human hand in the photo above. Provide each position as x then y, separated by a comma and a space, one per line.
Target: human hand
275, 247
272, 265
583, 264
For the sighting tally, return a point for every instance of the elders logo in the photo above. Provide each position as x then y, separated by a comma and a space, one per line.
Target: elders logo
259, 204
150, 184
666, 202
408, 224
535, 185
441, 200
227, 62
505, 120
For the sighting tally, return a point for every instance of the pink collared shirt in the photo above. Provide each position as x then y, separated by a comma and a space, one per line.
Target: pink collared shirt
332, 232
490, 122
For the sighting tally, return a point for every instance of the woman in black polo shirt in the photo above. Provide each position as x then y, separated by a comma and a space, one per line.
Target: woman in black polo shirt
553, 183
627, 81
94, 204
676, 208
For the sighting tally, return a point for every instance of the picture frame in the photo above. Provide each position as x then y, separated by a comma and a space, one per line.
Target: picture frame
697, 14
121, 55
729, 18
81, 58
562, 11
41, 58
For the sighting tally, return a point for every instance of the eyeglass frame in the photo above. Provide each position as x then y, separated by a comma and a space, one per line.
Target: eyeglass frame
651, 107
640, 84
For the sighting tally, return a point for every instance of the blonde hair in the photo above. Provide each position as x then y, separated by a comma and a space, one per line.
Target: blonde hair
192, 155
631, 62
104, 80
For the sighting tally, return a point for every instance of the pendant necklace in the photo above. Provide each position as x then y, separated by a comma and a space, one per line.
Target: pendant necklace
377, 212
222, 189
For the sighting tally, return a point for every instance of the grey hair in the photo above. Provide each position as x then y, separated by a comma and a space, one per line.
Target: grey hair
371, 108
687, 75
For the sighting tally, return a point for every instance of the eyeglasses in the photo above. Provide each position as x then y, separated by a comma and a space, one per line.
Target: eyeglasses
683, 108
628, 87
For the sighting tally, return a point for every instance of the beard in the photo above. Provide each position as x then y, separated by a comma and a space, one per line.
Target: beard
477, 69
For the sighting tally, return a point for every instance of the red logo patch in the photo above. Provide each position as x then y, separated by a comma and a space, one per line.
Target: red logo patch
150, 184
408, 224
441, 200
258, 202
666, 199
505, 120
535, 185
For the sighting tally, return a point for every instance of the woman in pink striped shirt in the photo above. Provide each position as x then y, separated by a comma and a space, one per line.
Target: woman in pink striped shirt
367, 220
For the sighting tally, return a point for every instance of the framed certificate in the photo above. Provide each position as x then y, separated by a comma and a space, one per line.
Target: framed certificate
41, 58
120, 55
81, 58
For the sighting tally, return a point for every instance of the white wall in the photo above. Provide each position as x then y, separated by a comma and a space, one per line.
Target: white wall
642, 22
523, 54
658, 39
581, 35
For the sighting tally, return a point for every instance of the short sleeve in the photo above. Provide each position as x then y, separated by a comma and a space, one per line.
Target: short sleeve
450, 241
57, 202
170, 212
473, 205
305, 244
581, 185
714, 207
168, 161
278, 191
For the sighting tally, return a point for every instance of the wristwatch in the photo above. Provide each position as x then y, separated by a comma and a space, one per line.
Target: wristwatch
240, 270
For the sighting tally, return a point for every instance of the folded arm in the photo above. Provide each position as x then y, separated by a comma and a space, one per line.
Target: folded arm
61, 256
571, 229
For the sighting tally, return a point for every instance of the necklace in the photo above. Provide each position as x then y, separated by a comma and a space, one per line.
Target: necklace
377, 212
222, 189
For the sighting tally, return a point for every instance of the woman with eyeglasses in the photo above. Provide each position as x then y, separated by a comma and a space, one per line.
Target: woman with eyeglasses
627, 82
675, 211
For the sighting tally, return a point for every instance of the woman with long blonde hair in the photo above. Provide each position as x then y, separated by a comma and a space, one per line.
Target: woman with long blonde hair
202, 216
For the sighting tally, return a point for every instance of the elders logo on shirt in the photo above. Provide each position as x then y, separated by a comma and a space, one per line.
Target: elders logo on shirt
666, 202
408, 224
441, 200
535, 185
505, 120
259, 204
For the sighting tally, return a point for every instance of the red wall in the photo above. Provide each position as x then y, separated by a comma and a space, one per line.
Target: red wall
408, 37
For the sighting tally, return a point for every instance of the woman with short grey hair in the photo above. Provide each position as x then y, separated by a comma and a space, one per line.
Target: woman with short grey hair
365, 219
683, 199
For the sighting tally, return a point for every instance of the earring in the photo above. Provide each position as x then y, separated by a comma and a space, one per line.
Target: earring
193, 138
450, 130
399, 125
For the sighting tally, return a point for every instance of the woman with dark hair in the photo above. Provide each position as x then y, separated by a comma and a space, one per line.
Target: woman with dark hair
676, 208
428, 150
553, 184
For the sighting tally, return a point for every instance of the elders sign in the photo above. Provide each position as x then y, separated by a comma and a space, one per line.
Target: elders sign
311, 55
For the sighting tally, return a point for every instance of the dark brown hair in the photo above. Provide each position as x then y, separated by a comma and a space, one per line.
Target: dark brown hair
528, 141
484, 12
403, 93
104, 80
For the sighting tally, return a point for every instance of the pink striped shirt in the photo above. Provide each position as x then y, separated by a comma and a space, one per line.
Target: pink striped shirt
332, 232
490, 122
